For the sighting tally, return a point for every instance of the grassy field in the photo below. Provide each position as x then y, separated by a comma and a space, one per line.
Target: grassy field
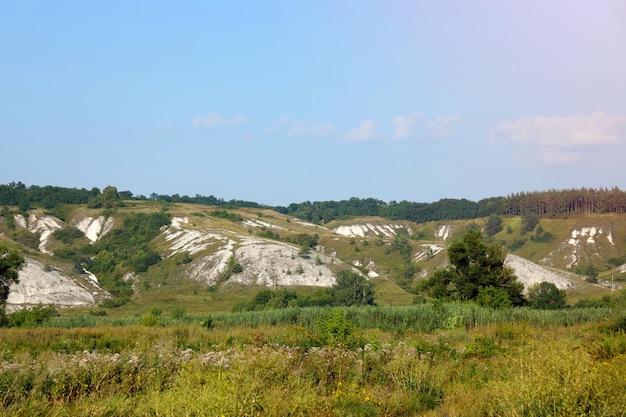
432, 360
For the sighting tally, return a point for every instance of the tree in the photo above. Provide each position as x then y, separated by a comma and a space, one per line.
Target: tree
494, 225
529, 222
109, 193
476, 272
546, 295
352, 288
10, 264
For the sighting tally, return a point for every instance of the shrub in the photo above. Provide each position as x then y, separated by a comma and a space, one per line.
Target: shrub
546, 295
32, 317
334, 328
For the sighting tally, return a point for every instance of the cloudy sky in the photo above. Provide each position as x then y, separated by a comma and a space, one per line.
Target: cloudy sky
282, 101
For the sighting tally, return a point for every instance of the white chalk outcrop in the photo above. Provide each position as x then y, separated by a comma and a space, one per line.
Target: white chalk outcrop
44, 226
95, 227
42, 284
584, 243
530, 273
369, 229
264, 262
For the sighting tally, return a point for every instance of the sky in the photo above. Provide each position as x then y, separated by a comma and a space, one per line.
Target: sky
280, 101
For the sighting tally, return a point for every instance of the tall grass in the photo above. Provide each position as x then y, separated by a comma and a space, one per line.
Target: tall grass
512, 369
415, 318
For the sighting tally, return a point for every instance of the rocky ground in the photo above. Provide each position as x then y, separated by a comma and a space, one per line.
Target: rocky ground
41, 284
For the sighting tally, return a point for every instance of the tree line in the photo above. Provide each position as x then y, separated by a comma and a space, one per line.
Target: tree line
49, 197
543, 203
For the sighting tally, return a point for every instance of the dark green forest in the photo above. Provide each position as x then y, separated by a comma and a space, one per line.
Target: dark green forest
542, 203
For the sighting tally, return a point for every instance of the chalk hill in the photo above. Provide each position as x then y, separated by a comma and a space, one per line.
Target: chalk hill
274, 250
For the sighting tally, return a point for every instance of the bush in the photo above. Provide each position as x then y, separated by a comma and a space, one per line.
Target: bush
31, 317
546, 296
68, 235
334, 328
493, 297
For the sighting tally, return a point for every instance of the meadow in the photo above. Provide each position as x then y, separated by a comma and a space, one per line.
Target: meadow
435, 359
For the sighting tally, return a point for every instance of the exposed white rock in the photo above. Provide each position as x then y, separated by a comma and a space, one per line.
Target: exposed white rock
20, 220
306, 223
95, 228
530, 273
371, 273
428, 251
91, 277
177, 222
265, 263
189, 240
276, 264
261, 223
443, 232
45, 226
580, 238
363, 230
39, 284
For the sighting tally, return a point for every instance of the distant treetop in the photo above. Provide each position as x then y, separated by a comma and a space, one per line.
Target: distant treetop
541, 203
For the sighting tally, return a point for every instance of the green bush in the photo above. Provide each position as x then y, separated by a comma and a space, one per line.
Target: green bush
68, 235
334, 327
546, 295
31, 317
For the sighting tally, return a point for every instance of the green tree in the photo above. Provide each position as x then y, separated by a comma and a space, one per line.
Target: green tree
546, 295
529, 222
109, 193
10, 264
352, 289
494, 225
589, 271
474, 268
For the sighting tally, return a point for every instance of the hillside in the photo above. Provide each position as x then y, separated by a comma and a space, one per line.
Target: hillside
200, 246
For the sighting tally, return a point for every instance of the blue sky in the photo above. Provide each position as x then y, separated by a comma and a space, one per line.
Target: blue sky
280, 101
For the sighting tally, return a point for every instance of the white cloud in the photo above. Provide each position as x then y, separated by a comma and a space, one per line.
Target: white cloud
366, 131
413, 124
300, 128
403, 125
563, 139
442, 126
294, 127
216, 119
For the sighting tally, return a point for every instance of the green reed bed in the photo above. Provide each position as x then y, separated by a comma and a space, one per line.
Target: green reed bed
417, 318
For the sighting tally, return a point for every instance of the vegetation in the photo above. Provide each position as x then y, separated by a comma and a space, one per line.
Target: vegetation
328, 352
126, 248
541, 203
589, 271
232, 267
476, 272
351, 289
10, 263
67, 236
494, 224
223, 214
546, 295
429, 359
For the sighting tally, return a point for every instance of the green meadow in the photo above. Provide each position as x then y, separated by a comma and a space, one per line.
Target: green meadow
435, 359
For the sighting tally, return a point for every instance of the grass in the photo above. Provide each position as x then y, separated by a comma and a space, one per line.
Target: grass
516, 367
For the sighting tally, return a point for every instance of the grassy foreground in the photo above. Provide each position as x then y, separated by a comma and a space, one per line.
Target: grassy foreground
434, 360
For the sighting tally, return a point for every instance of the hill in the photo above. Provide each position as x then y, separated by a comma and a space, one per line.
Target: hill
212, 257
